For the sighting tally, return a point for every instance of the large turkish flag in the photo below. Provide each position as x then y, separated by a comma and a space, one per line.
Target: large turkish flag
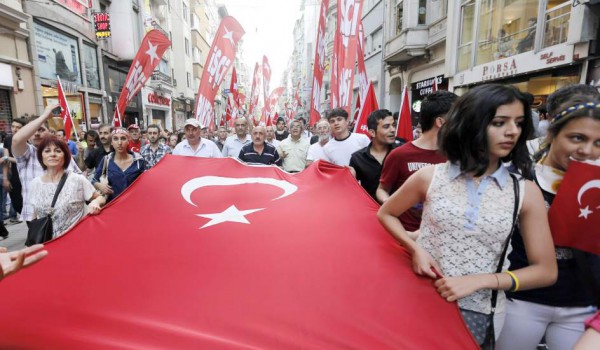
223, 255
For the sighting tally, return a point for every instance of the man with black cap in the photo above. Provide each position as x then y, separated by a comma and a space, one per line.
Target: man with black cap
194, 145
135, 142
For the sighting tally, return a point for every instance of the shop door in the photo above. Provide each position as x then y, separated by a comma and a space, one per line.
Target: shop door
158, 117
5, 111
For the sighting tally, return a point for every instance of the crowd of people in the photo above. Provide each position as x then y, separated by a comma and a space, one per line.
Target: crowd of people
468, 198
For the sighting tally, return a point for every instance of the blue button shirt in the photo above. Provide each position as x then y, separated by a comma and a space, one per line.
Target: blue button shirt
118, 179
474, 193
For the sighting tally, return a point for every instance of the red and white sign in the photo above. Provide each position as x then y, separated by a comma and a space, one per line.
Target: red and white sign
348, 17
223, 277
575, 211
219, 59
319, 66
147, 58
266, 73
156, 99
254, 93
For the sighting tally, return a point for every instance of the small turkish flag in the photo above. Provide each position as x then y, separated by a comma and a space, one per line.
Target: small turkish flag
404, 120
575, 211
66, 111
370, 106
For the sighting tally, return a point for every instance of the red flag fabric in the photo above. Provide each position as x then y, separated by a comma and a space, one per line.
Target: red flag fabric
356, 114
66, 111
334, 81
147, 58
219, 59
404, 129
319, 66
241, 99
575, 211
206, 268
266, 73
369, 106
348, 16
233, 88
254, 92
363, 81
435, 85
273, 100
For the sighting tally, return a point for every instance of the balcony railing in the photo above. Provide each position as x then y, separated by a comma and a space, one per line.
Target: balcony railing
161, 77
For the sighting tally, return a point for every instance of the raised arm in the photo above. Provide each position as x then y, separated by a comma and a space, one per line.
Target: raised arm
19, 142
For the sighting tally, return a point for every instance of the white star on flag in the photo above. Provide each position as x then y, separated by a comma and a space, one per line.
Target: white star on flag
152, 52
585, 212
229, 36
231, 214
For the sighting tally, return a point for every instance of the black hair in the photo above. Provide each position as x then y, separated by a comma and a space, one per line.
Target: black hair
280, 119
562, 95
155, 126
21, 121
463, 138
435, 105
337, 112
93, 134
528, 96
376, 116
557, 124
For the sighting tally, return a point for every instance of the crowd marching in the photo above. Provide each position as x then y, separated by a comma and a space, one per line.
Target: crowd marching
468, 198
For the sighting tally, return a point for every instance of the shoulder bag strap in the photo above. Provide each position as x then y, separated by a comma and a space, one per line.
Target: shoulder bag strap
61, 183
512, 230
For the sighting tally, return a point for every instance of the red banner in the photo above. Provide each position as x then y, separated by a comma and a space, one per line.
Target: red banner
147, 58
404, 130
233, 88
319, 66
348, 17
219, 59
66, 111
224, 277
363, 80
266, 73
575, 211
273, 100
254, 93
369, 105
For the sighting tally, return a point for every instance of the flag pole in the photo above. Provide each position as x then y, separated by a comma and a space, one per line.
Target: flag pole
68, 110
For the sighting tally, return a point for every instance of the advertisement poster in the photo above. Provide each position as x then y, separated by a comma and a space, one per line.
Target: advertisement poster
91, 66
79, 7
57, 55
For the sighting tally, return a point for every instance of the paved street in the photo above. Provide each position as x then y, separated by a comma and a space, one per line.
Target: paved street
16, 238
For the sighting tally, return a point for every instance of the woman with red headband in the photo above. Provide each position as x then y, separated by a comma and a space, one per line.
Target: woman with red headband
119, 168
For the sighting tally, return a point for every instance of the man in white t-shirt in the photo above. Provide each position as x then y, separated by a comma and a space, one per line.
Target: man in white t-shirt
315, 151
339, 149
194, 145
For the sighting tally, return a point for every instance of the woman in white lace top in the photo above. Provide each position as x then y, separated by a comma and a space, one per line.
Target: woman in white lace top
54, 156
468, 205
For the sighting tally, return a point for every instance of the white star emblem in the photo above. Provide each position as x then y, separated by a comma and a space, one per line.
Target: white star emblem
231, 214
229, 36
585, 212
152, 52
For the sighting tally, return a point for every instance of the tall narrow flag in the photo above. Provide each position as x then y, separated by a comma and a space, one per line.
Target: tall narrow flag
369, 105
319, 66
348, 17
404, 130
147, 58
363, 81
233, 88
219, 59
273, 100
66, 111
254, 92
266, 72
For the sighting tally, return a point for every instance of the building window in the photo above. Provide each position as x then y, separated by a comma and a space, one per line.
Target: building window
467, 23
189, 80
185, 13
422, 17
556, 25
187, 46
377, 40
399, 17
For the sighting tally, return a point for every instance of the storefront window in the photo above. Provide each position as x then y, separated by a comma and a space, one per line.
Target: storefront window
505, 28
91, 66
556, 24
75, 101
467, 21
57, 54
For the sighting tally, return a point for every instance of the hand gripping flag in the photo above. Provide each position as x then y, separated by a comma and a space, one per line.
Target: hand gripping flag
369, 106
66, 111
575, 211
147, 58
223, 277
404, 130
219, 59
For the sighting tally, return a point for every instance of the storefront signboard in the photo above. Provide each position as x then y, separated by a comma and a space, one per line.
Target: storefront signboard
57, 54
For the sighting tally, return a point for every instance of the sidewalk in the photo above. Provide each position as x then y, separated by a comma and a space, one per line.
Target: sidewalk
16, 237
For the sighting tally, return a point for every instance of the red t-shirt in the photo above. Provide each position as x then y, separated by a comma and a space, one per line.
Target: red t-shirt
594, 322
398, 166
135, 146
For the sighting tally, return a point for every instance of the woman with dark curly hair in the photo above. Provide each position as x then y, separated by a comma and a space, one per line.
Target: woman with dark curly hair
54, 157
470, 204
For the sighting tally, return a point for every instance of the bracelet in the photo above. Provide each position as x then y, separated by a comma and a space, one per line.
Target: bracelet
515, 282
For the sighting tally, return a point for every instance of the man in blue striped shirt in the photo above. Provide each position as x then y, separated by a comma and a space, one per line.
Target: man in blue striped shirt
258, 151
